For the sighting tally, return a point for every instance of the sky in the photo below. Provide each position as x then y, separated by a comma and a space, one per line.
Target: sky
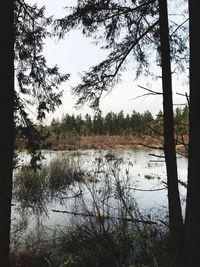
76, 53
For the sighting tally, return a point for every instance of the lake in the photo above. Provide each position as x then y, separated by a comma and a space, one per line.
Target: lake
144, 167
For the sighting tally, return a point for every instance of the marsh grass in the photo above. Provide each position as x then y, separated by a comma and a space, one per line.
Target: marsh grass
63, 172
100, 142
106, 227
35, 189
30, 189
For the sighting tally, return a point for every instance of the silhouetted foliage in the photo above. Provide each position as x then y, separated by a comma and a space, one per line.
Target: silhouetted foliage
129, 30
37, 83
24, 29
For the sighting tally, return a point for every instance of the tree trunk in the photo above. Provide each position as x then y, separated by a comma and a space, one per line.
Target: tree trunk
175, 213
192, 224
7, 126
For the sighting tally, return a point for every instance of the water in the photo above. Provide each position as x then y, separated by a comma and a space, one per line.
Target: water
146, 171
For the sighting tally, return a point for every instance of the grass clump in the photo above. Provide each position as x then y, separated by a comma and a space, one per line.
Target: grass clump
34, 189
63, 172
30, 189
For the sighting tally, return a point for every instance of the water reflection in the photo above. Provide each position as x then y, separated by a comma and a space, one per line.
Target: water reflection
146, 168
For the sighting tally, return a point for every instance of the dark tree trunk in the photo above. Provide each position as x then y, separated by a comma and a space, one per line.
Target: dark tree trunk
175, 213
192, 226
7, 125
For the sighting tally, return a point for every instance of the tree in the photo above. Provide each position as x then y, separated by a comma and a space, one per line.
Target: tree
175, 212
147, 120
136, 122
37, 83
98, 126
192, 221
121, 122
7, 131
88, 124
130, 29
24, 30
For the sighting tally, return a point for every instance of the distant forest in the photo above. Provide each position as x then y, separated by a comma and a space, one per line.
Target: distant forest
117, 124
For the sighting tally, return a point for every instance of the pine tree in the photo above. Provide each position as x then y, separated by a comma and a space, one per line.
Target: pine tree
24, 29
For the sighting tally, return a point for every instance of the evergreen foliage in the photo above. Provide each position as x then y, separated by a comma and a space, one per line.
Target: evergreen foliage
36, 82
117, 124
129, 31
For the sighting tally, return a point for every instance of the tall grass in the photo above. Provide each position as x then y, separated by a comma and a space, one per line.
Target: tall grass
35, 189
106, 227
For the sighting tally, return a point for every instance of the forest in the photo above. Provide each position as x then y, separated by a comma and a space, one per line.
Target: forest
118, 124
106, 225
111, 130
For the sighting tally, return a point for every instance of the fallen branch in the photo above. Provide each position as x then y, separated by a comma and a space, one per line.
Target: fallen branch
103, 217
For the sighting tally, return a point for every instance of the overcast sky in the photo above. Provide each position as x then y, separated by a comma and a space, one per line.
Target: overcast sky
76, 54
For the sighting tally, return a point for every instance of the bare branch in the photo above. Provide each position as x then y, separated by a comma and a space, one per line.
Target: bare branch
185, 95
152, 147
89, 214
179, 26
148, 190
155, 155
151, 91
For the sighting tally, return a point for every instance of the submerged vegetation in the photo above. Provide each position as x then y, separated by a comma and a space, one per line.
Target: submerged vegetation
34, 189
104, 226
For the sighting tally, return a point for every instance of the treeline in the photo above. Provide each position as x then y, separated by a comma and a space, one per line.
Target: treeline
117, 124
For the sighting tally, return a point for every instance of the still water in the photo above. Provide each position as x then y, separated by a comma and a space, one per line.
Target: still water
145, 168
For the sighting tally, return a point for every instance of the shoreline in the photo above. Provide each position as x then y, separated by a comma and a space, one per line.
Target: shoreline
103, 142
